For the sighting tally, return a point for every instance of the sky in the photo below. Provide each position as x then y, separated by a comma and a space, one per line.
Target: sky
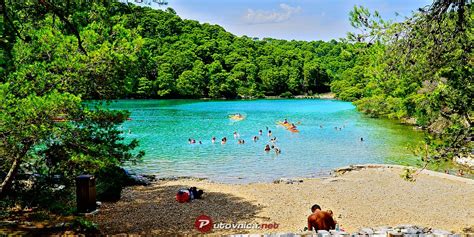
287, 19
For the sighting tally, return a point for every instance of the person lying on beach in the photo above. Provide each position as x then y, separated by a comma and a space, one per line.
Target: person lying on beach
320, 220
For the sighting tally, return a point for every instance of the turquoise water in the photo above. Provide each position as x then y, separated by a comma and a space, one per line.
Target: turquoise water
163, 128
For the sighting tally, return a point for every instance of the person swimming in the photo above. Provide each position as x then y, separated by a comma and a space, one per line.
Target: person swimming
277, 150
200, 142
190, 141
267, 148
223, 140
255, 138
213, 140
260, 132
269, 133
361, 139
236, 135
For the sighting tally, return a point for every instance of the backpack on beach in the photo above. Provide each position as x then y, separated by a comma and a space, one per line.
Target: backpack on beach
187, 195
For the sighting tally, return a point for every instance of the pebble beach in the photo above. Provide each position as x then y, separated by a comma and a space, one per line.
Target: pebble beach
360, 198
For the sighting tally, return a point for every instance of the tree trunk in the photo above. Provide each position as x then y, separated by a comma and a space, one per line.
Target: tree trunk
7, 183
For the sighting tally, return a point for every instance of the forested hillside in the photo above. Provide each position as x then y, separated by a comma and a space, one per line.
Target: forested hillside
136, 52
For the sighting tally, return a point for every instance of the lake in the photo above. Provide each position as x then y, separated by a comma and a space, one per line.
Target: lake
330, 137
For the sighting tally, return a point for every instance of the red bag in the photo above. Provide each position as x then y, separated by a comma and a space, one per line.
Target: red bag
182, 196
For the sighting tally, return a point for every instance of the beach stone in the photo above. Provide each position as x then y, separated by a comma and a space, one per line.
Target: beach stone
287, 181
367, 230
394, 234
383, 229
412, 230
441, 233
323, 233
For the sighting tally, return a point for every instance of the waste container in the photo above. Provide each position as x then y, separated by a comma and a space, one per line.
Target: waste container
85, 194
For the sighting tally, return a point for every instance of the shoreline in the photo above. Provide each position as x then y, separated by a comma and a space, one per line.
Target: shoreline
324, 174
360, 196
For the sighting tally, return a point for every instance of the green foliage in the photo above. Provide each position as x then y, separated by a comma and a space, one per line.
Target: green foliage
48, 135
420, 69
110, 182
84, 225
408, 174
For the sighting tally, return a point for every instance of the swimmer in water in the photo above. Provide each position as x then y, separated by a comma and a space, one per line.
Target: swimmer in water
224, 140
277, 150
260, 132
267, 148
213, 139
269, 133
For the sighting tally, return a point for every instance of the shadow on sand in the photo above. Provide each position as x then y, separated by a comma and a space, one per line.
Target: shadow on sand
154, 210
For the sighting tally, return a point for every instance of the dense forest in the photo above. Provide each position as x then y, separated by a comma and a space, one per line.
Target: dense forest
57, 54
147, 53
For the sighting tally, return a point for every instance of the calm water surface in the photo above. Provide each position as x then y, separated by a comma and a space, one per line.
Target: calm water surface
163, 128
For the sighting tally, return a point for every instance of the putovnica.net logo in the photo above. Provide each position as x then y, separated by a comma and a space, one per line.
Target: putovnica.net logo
204, 224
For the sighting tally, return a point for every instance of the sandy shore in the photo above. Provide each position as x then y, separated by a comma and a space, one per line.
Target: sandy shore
367, 197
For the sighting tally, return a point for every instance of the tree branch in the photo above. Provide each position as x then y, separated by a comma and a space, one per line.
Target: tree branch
64, 19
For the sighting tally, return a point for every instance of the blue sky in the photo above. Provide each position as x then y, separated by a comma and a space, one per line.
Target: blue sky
287, 19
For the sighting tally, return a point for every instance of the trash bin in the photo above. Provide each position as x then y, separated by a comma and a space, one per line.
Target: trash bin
85, 194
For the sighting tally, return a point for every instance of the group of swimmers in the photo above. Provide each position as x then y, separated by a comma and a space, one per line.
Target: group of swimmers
267, 148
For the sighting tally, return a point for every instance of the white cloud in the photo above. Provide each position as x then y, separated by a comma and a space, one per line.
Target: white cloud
260, 16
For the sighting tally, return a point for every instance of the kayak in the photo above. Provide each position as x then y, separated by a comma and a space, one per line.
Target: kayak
293, 130
288, 126
236, 117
